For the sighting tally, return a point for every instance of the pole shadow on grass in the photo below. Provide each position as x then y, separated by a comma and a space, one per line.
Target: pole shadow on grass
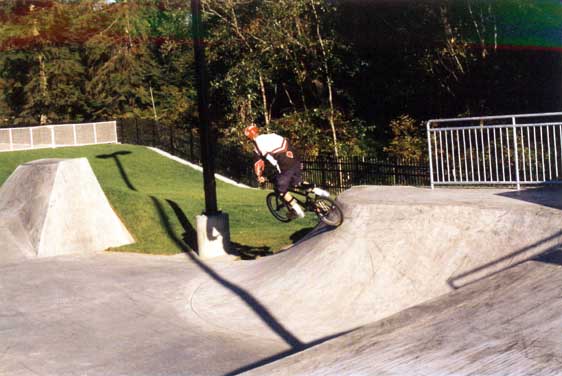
261, 311
115, 157
189, 237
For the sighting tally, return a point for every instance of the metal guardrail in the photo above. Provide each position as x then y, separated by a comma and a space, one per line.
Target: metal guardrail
496, 150
57, 135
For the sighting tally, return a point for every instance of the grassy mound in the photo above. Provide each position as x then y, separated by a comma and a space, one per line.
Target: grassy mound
158, 200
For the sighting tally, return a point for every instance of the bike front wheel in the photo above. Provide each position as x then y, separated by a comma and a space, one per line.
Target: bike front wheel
328, 211
278, 207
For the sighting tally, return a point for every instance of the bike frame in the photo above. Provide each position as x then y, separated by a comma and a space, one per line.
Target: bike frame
303, 198
303, 195
309, 199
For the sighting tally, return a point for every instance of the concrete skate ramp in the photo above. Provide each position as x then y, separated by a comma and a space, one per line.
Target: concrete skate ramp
52, 207
397, 248
508, 324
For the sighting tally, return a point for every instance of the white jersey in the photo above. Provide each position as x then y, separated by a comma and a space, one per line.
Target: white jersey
270, 143
277, 150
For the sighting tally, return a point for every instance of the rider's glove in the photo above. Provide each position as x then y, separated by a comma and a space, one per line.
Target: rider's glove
261, 179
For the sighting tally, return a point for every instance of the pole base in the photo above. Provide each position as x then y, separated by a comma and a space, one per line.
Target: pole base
213, 235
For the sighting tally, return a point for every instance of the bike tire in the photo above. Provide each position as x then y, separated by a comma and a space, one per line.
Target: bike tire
328, 211
278, 207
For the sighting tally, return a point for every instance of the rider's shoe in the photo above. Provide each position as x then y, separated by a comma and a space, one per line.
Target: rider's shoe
320, 192
296, 212
292, 215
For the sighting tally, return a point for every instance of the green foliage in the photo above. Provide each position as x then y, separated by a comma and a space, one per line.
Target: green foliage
70, 61
311, 134
276, 62
318, 71
63, 98
407, 138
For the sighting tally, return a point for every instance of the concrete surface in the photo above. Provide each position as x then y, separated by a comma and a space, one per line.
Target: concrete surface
56, 206
398, 247
115, 314
508, 324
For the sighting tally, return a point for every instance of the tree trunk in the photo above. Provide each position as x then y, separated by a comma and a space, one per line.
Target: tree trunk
329, 83
266, 112
42, 72
43, 119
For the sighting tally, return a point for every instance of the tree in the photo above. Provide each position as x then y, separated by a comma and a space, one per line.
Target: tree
43, 67
407, 138
74, 60
120, 66
276, 61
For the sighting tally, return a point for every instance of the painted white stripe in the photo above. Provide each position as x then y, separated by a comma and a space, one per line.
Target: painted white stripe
197, 167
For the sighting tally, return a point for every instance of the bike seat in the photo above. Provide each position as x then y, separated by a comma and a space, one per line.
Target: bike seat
306, 185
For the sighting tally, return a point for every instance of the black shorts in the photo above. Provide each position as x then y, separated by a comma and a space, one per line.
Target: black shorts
287, 179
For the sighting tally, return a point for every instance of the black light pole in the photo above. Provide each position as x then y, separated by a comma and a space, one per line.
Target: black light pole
207, 157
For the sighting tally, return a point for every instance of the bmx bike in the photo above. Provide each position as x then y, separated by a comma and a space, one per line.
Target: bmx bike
311, 199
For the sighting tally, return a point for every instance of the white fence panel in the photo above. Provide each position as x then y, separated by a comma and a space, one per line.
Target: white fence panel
58, 135
496, 150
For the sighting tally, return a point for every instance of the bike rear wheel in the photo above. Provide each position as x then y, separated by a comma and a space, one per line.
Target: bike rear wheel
278, 207
328, 211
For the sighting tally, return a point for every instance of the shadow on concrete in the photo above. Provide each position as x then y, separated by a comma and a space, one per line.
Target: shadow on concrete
188, 241
300, 234
282, 355
549, 196
261, 311
251, 253
115, 157
554, 257
495, 267
248, 252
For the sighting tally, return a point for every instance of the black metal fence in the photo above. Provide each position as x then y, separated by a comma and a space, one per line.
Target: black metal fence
343, 173
333, 174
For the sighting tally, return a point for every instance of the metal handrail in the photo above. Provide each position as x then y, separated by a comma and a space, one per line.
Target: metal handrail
496, 153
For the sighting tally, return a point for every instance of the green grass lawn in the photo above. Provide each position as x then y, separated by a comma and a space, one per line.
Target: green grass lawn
158, 200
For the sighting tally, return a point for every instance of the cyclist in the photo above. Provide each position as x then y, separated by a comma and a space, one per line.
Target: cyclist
277, 151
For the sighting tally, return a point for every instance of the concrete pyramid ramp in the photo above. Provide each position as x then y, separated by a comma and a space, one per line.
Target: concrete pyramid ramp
398, 247
53, 207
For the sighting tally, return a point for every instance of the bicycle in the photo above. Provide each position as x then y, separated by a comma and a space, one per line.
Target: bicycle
311, 199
